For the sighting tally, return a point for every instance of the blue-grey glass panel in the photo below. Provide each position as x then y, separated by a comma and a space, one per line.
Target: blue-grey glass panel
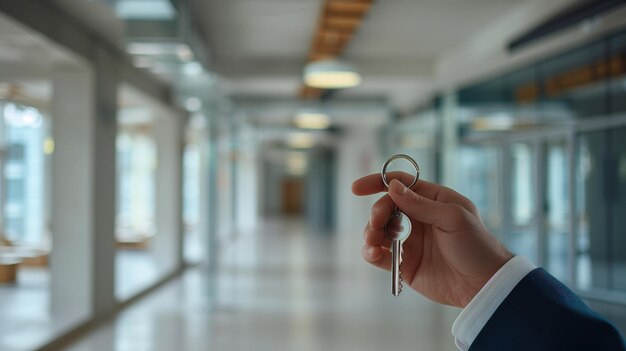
602, 209
557, 208
523, 236
481, 169
488, 92
616, 198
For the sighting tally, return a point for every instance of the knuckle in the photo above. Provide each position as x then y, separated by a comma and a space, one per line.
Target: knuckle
418, 199
380, 206
458, 215
472, 207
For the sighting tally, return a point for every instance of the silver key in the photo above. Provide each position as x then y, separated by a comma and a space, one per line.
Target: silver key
398, 228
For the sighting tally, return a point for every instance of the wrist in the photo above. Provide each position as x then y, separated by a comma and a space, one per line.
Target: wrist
494, 265
480, 309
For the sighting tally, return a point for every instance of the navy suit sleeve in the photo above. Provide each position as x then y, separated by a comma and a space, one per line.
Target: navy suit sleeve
542, 314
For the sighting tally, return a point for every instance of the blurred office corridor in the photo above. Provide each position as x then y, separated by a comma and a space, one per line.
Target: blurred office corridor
283, 287
176, 174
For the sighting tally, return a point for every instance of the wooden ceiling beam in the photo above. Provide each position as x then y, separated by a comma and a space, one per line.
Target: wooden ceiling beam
365, 2
330, 46
342, 23
348, 8
335, 30
333, 36
332, 52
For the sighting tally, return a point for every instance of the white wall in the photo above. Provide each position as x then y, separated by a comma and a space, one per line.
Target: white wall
357, 156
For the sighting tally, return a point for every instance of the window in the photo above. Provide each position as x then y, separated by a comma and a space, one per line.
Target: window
23, 178
523, 236
601, 191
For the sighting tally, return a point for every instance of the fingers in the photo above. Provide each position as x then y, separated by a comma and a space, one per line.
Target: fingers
423, 209
381, 211
373, 183
377, 256
376, 237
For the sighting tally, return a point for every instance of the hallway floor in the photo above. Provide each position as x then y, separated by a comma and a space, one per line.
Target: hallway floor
279, 287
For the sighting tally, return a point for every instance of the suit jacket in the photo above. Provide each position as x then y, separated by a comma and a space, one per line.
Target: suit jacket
542, 314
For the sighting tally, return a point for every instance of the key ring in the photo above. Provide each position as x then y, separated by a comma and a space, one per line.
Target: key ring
396, 235
383, 171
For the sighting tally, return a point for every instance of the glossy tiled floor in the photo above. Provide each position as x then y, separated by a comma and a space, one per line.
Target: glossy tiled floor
25, 319
280, 287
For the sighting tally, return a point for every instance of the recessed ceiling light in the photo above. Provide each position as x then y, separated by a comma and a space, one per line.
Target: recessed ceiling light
296, 163
193, 68
149, 49
312, 120
193, 104
145, 10
300, 140
331, 74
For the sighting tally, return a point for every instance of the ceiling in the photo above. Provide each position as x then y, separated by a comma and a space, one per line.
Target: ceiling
26, 61
26, 55
260, 46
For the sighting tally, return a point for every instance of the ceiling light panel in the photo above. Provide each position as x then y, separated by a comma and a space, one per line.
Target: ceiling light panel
311, 120
145, 10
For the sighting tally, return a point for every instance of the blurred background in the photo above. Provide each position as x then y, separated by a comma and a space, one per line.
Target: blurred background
175, 174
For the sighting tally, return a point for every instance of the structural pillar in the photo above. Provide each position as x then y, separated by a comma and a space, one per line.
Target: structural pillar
84, 108
168, 242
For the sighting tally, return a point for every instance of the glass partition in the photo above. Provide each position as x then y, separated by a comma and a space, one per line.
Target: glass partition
601, 207
136, 153
136, 261
481, 182
523, 236
593, 236
23, 170
194, 192
557, 212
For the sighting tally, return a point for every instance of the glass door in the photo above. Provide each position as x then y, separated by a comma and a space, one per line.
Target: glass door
556, 211
538, 214
522, 235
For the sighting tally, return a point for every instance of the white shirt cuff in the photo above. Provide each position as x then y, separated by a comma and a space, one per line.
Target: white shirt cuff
476, 314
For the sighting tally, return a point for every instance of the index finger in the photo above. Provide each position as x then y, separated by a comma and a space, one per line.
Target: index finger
373, 183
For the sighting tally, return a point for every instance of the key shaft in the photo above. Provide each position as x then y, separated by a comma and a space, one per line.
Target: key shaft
396, 258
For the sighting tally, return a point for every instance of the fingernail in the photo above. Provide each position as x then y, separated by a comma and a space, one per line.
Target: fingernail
370, 251
397, 187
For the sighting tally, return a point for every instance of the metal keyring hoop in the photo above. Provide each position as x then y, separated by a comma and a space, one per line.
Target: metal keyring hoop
383, 172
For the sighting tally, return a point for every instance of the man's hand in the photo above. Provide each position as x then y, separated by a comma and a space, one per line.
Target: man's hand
449, 256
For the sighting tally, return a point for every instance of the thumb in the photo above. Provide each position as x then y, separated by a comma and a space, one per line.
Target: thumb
418, 207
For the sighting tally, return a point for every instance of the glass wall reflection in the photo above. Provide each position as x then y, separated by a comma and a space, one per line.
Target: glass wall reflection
602, 204
557, 210
523, 234
559, 128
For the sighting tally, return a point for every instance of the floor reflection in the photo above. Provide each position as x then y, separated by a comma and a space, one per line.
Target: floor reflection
280, 287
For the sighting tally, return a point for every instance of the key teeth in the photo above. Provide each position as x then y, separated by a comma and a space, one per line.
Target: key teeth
400, 285
400, 281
